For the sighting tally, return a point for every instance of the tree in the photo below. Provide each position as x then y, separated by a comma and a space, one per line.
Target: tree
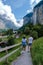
34, 34
9, 32
11, 40
26, 30
39, 29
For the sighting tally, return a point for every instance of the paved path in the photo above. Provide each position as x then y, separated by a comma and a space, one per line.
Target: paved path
24, 59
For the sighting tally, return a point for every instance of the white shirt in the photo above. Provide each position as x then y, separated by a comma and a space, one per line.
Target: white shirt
23, 40
30, 40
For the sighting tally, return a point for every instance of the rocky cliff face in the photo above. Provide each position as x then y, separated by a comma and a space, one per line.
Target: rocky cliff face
38, 13
28, 18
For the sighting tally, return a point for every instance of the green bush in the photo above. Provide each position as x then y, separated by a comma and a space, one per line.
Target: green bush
0, 39
37, 51
34, 34
9, 32
11, 41
40, 32
39, 29
26, 30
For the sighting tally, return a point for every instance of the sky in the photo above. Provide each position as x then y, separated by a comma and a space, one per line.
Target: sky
15, 10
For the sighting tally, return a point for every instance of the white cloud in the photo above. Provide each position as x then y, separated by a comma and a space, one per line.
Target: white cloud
37, 1
6, 10
34, 2
21, 22
28, 11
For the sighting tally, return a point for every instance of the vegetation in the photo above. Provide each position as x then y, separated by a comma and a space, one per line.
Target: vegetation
16, 41
10, 50
11, 41
34, 34
29, 27
37, 51
26, 30
37, 47
11, 58
39, 29
0, 39
9, 32
2, 54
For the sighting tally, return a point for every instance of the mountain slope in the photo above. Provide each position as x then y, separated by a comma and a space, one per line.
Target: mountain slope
28, 18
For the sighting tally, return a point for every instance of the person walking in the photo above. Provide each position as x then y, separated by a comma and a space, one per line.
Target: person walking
30, 41
24, 41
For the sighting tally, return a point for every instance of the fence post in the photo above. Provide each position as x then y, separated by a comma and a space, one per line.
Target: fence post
6, 54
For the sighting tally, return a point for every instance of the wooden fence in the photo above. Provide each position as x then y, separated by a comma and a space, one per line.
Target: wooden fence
8, 54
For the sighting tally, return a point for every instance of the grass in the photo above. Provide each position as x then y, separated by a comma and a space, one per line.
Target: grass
15, 55
11, 58
4, 53
17, 41
37, 51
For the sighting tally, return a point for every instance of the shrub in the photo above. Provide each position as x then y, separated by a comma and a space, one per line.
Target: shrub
9, 32
40, 32
39, 29
34, 34
0, 39
10, 41
37, 51
26, 30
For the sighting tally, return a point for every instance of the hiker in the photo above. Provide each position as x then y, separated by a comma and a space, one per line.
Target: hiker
30, 41
24, 43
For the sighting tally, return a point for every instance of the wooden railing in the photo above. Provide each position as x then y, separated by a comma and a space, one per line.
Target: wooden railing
8, 54
9, 47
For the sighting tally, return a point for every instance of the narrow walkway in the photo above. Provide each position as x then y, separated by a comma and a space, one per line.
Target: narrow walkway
24, 59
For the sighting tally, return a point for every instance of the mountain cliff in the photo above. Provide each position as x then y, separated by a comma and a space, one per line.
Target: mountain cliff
28, 18
38, 13
37, 16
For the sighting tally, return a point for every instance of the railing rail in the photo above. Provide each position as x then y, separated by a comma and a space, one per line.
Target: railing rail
6, 56
9, 47
6, 50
